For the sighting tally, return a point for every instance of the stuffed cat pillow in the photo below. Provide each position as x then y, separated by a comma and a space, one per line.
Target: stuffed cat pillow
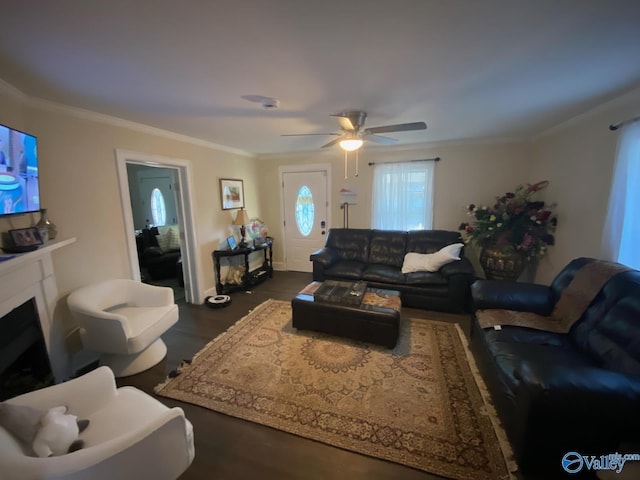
54, 432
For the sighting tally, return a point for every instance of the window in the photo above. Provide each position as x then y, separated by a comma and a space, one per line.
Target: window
622, 225
158, 209
402, 196
305, 211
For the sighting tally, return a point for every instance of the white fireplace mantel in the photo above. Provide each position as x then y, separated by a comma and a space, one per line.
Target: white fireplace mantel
30, 275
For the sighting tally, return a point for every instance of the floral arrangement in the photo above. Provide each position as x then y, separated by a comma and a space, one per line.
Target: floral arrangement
516, 223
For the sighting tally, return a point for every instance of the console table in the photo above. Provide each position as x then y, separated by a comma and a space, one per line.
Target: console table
249, 278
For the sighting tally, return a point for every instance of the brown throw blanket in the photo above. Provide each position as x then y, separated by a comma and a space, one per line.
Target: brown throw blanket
573, 302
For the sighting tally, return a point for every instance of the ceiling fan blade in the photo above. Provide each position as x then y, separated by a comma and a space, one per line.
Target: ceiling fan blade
380, 139
305, 134
351, 120
333, 142
346, 123
400, 127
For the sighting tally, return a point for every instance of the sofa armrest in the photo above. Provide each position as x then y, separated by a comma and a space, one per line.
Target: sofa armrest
83, 395
605, 399
580, 382
458, 267
325, 256
523, 297
151, 252
561, 409
460, 274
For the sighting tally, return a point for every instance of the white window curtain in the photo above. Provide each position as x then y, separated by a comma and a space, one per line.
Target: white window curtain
621, 235
402, 197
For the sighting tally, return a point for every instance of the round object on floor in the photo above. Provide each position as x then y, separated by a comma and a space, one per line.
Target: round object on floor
217, 301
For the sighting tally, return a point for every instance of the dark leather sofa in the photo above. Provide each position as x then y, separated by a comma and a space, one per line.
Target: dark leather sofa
558, 393
158, 263
376, 256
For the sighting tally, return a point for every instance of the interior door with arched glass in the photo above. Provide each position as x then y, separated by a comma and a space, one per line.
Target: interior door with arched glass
305, 216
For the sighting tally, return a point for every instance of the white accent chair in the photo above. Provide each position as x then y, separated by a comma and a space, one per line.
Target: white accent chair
130, 436
123, 319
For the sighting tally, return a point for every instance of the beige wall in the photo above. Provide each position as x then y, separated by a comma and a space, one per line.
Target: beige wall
12, 113
79, 184
79, 187
578, 160
576, 157
466, 173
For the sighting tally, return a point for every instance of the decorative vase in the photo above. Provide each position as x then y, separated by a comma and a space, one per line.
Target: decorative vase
498, 265
46, 227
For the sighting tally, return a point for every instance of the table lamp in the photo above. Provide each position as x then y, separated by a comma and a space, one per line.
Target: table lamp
242, 219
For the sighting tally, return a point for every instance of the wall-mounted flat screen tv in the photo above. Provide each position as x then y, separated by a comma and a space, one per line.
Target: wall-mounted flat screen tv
19, 185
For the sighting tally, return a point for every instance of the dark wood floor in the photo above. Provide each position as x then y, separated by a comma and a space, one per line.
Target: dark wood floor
230, 449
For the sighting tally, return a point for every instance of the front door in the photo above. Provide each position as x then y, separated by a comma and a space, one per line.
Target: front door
163, 179
305, 216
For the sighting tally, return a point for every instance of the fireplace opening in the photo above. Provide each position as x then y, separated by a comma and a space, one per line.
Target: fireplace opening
24, 361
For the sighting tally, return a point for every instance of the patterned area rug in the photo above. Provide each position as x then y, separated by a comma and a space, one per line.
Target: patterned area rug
418, 405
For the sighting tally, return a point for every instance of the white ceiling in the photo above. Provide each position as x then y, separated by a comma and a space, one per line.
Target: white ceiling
468, 68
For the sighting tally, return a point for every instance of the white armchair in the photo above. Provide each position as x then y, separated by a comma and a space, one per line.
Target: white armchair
123, 320
130, 435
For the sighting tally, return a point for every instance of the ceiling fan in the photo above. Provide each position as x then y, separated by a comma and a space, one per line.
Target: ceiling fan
352, 135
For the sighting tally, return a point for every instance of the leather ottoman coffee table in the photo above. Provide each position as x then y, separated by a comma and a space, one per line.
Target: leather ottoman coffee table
375, 320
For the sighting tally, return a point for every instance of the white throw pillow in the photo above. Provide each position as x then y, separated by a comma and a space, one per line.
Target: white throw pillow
169, 239
431, 262
174, 239
163, 241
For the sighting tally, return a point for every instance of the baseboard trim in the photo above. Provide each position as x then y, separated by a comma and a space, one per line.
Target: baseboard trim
211, 292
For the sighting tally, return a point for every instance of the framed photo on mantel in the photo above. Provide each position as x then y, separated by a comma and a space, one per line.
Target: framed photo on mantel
231, 193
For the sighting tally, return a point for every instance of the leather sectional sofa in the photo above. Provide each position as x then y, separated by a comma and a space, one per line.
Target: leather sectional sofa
377, 257
159, 263
562, 392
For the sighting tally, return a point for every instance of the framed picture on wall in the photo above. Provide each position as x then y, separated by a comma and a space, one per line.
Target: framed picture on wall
231, 193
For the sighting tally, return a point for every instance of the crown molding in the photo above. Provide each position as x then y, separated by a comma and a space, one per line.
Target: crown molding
7, 88
463, 142
35, 102
602, 108
397, 148
128, 124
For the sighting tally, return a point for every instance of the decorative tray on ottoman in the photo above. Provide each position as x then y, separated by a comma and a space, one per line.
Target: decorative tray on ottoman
345, 293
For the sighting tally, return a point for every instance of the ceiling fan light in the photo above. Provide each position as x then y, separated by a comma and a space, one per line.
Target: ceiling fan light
351, 144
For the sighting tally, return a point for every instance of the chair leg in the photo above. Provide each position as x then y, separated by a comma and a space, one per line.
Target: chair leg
126, 365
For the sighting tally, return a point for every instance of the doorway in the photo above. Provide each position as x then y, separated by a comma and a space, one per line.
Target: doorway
305, 210
152, 190
183, 215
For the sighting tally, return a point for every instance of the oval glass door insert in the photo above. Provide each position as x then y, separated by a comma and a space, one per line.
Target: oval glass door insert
158, 209
305, 211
